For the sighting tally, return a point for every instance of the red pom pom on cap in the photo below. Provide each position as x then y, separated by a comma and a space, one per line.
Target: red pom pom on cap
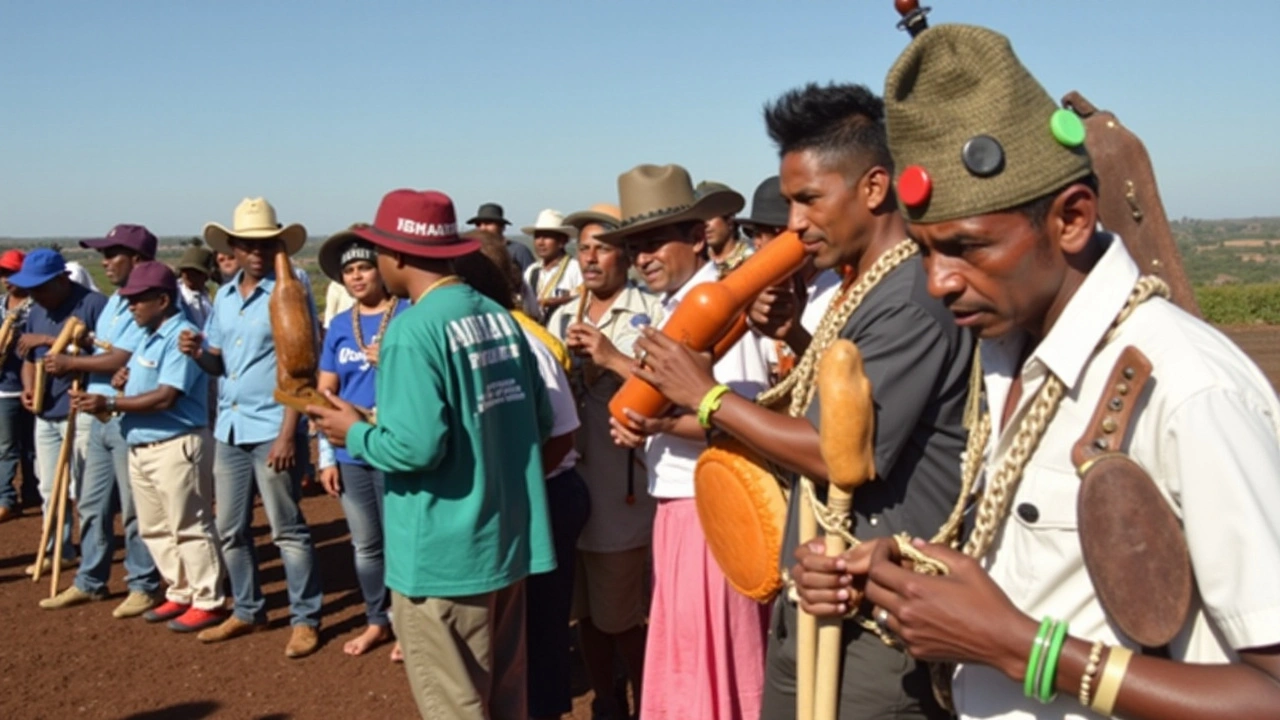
914, 186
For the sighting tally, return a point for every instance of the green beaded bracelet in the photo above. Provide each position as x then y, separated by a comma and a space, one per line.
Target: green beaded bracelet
1047, 692
1033, 662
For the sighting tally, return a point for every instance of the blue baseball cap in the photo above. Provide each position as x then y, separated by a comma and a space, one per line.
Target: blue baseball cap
39, 267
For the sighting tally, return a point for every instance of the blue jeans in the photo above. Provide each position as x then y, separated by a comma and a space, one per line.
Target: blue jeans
235, 470
49, 434
106, 471
17, 448
362, 504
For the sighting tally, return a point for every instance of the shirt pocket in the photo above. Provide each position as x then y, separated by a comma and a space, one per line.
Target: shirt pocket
1042, 531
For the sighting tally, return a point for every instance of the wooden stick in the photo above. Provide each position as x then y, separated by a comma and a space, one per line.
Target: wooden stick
847, 442
582, 304
60, 488
806, 627
73, 328
63, 494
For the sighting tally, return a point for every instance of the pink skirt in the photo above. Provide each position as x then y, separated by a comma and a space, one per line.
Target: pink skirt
705, 654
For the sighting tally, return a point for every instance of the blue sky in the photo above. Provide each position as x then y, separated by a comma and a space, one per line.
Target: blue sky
168, 113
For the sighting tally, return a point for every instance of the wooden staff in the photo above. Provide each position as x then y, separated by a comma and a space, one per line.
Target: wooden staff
58, 505
847, 442
806, 626
7, 332
582, 304
72, 330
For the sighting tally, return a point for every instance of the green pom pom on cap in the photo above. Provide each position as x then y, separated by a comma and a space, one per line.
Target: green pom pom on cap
1067, 128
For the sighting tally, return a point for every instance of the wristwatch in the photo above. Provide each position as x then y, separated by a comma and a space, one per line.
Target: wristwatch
111, 403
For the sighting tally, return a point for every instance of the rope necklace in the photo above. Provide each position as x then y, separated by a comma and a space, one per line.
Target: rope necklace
357, 329
1003, 481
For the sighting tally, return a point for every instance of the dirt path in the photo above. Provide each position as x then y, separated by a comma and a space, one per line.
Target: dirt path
81, 663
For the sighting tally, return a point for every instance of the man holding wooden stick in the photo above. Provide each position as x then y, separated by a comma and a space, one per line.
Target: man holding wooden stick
57, 298
106, 465
1128, 444
836, 174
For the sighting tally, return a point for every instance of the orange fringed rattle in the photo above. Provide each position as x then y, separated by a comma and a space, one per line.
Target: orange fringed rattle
709, 312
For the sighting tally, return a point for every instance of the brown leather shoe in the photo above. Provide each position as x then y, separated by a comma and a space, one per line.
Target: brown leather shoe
232, 627
9, 513
304, 641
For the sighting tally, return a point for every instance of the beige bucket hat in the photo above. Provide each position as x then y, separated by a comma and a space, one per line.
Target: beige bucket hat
254, 219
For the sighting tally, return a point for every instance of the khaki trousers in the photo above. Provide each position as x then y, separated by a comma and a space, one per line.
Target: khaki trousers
172, 496
465, 656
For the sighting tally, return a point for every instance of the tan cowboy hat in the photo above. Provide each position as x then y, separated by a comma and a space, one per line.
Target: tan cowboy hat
550, 221
656, 195
255, 219
606, 214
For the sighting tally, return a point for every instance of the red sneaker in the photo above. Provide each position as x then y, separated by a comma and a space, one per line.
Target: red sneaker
197, 619
166, 610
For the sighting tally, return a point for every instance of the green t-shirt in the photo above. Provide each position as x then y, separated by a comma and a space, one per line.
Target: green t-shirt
462, 414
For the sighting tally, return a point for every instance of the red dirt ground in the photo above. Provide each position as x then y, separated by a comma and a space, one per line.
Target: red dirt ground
82, 663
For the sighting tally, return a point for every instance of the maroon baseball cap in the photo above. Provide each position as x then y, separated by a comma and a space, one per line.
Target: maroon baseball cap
421, 223
133, 237
148, 276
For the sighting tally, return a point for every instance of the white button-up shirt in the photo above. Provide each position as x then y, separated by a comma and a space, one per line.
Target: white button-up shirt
1209, 436
743, 368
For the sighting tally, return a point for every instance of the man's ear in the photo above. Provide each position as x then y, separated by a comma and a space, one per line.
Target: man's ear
699, 237
1073, 218
876, 188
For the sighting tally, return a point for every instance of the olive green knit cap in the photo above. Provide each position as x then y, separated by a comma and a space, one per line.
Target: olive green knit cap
953, 85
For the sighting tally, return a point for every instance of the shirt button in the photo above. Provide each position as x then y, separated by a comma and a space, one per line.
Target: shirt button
239, 341
1028, 512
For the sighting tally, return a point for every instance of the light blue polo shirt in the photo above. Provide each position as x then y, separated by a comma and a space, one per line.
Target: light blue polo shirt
240, 327
116, 326
155, 362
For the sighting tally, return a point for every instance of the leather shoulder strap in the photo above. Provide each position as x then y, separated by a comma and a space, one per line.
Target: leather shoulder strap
1112, 417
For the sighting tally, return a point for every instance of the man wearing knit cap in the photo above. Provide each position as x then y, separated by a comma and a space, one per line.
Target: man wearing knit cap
1114, 415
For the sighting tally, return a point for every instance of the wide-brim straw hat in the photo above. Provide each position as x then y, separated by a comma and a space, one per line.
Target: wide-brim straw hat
550, 221
652, 196
255, 219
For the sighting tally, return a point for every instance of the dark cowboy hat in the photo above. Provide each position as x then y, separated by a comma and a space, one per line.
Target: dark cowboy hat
768, 207
491, 212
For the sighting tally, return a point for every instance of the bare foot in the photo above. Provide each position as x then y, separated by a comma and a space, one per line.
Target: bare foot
372, 636
397, 655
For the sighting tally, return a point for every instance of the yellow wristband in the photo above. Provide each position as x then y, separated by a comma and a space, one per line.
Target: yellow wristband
1104, 701
710, 403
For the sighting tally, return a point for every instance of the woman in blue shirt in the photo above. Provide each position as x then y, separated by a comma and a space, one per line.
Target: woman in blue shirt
348, 364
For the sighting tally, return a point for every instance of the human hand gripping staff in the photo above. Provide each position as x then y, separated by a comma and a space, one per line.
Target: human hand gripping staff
847, 440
